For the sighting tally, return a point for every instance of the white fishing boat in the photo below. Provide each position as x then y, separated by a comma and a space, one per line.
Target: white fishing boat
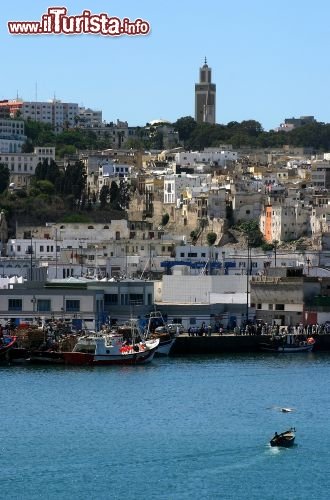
158, 329
110, 349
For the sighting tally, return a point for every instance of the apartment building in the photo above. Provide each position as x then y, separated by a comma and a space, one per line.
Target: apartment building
320, 175
88, 117
284, 222
58, 114
174, 184
210, 156
12, 135
22, 165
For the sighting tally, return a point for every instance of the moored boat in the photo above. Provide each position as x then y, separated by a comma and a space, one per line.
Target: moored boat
110, 349
7, 342
289, 343
285, 439
46, 357
157, 328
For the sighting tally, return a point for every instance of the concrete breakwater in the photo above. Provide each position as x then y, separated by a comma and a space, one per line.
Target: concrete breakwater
217, 344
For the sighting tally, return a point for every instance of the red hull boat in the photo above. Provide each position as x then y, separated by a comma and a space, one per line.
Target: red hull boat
109, 349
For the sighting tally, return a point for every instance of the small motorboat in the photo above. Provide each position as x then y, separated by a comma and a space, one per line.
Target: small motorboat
288, 343
285, 439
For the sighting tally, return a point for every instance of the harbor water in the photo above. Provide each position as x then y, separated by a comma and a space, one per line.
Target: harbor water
179, 428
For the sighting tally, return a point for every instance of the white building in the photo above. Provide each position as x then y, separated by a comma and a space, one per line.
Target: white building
189, 158
12, 136
320, 219
22, 166
285, 222
57, 113
174, 184
109, 171
88, 117
320, 175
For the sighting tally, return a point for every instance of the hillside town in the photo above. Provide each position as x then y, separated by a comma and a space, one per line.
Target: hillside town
222, 235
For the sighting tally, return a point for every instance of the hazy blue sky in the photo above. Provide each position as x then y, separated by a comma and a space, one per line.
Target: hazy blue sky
270, 59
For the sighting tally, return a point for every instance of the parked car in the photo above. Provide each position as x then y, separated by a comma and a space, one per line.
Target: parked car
175, 327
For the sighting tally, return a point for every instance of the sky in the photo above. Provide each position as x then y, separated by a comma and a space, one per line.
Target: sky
269, 59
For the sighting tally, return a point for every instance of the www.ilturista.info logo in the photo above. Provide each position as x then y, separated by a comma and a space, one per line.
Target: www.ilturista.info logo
57, 22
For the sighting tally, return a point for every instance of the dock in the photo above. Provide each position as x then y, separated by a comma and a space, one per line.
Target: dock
231, 343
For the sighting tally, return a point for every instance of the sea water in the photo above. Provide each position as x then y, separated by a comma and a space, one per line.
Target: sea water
179, 428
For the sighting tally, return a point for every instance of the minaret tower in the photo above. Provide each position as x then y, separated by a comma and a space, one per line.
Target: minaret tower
205, 94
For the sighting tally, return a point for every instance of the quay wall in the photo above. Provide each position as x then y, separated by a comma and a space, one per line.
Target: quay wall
217, 344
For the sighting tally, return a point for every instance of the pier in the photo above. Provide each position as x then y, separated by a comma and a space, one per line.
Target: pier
231, 343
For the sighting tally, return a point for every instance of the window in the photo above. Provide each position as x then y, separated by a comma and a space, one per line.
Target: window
124, 299
111, 298
136, 298
279, 307
72, 306
14, 304
270, 307
43, 305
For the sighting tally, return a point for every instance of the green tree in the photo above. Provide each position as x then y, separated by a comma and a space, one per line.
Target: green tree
211, 238
73, 183
252, 232
114, 196
47, 171
27, 147
104, 196
4, 178
124, 195
251, 127
194, 236
135, 144
185, 127
42, 187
